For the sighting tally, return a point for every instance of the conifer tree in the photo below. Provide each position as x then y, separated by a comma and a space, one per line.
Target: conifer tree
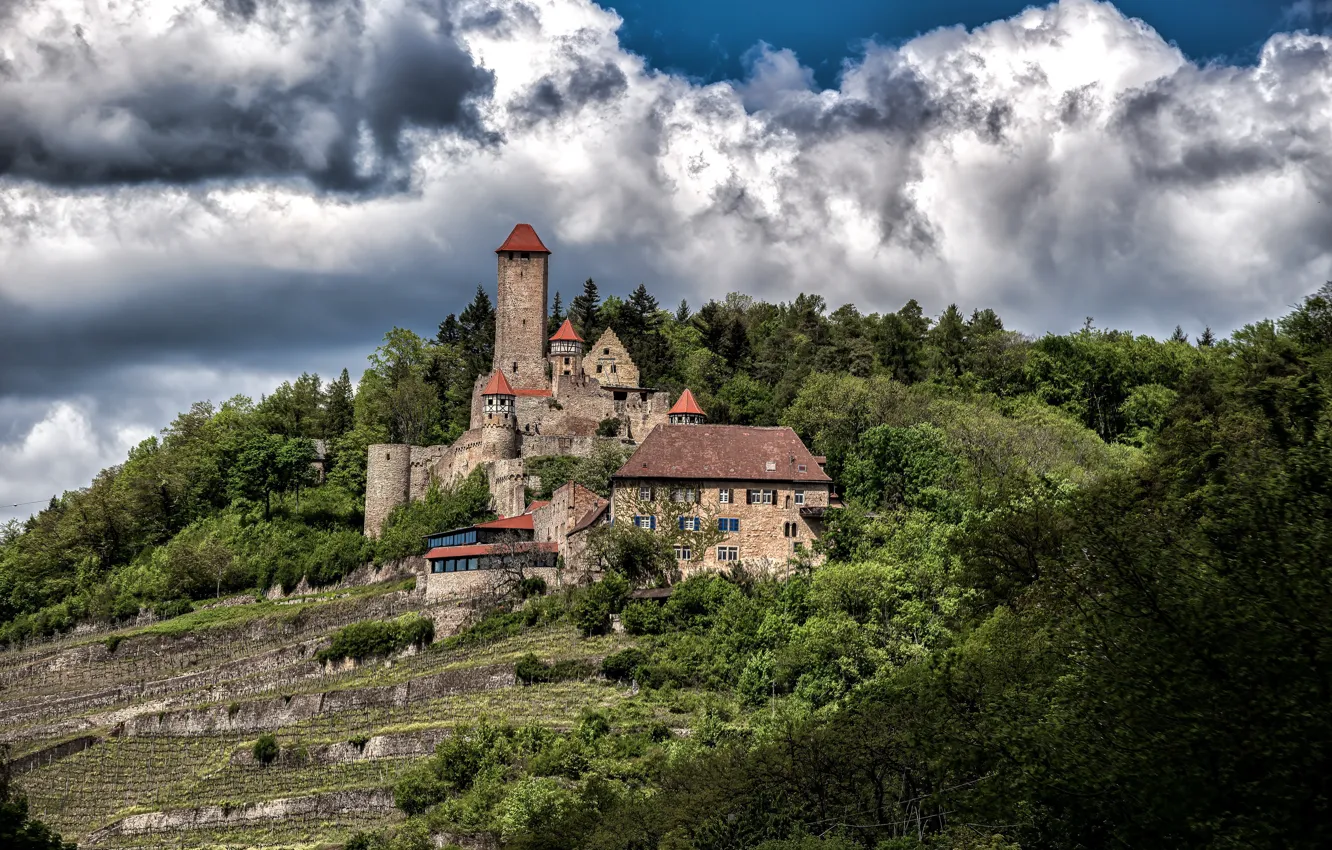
476, 336
682, 313
556, 315
1207, 339
338, 407
585, 311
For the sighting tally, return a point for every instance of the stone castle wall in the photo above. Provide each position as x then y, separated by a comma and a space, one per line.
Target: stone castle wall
520, 319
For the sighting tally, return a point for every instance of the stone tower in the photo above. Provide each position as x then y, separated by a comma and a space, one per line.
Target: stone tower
520, 315
499, 428
566, 352
388, 476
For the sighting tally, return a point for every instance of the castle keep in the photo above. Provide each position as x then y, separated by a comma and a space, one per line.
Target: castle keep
539, 399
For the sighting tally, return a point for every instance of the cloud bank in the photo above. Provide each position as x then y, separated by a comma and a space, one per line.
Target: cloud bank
248, 188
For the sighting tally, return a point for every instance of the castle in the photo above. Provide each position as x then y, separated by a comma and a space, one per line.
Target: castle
721, 494
538, 400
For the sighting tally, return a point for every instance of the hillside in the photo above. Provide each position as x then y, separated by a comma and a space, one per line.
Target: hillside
1076, 599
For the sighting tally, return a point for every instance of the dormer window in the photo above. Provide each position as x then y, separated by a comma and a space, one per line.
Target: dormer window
525, 256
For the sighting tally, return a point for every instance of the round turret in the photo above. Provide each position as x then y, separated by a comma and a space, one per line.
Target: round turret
499, 426
566, 351
686, 411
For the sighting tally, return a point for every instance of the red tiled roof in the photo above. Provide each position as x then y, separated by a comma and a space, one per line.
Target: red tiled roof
477, 549
537, 504
531, 392
498, 385
566, 333
713, 452
686, 404
522, 521
523, 238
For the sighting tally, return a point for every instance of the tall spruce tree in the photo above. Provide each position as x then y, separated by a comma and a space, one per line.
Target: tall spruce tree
476, 337
338, 407
556, 315
585, 311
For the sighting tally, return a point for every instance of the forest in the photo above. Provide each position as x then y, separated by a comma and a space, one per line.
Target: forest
1077, 597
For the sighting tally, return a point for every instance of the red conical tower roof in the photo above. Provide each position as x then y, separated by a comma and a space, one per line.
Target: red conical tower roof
686, 404
523, 238
566, 333
498, 385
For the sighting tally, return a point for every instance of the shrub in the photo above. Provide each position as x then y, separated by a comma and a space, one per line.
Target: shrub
531, 586
266, 749
608, 427
643, 618
375, 638
623, 665
172, 608
591, 612
233, 709
113, 641
530, 669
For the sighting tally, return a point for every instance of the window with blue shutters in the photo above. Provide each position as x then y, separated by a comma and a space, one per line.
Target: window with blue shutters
728, 523
648, 522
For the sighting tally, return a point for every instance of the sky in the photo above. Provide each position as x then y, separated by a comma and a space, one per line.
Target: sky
204, 199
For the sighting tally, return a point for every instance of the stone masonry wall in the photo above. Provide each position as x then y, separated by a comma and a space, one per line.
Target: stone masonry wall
761, 540
520, 319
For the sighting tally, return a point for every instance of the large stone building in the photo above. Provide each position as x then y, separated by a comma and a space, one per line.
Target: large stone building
539, 399
724, 494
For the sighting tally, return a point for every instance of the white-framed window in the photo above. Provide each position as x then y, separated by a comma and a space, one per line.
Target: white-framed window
724, 495
800, 497
728, 553
800, 467
644, 494
762, 497
684, 495
648, 522
770, 466
690, 523
683, 553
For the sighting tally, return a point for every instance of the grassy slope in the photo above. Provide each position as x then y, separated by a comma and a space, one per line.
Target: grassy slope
130, 775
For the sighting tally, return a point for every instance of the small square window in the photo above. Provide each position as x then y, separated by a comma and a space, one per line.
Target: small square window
605, 351
645, 494
724, 496
800, 497
598, 368
770, 466
800, 467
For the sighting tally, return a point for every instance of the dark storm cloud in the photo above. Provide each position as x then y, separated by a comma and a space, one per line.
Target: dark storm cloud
587, 82
81, 115
1178, 136
208, 319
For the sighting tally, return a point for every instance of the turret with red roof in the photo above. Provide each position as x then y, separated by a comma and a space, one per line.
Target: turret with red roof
566, 351
686, 410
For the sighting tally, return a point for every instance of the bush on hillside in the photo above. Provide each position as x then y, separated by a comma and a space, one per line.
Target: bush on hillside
266, 749
377, 638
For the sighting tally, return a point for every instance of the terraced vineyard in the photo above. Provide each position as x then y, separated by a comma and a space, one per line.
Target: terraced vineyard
145, 737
